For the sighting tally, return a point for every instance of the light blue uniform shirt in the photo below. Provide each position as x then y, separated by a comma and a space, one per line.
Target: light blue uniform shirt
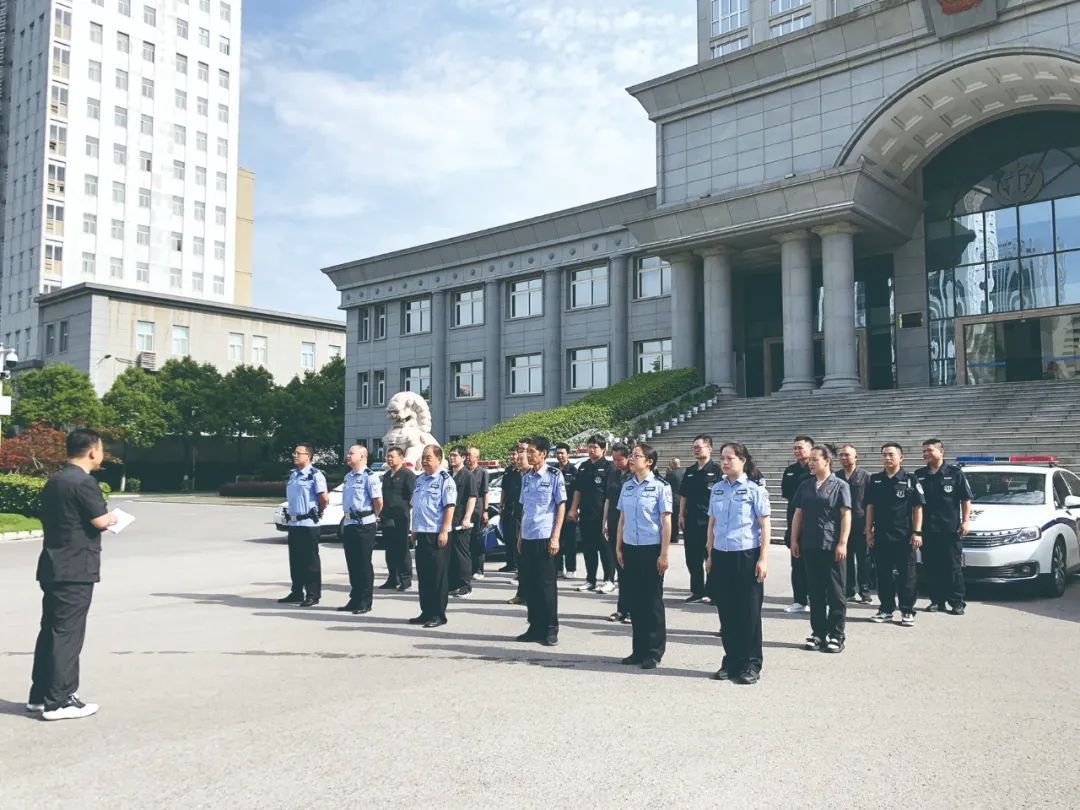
736, 509
431, 495
541, 494
302, 494
358, 493
644, 504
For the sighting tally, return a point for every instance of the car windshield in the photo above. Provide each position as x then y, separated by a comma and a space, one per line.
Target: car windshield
1009, 488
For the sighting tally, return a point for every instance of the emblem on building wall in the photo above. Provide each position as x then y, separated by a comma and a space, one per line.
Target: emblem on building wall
958, 6
948, 18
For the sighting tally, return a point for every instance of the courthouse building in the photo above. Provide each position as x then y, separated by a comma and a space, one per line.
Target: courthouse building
848, 196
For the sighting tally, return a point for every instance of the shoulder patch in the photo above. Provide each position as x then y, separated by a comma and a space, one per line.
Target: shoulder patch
444, 474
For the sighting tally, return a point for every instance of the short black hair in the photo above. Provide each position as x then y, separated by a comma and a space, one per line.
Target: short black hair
892, 444
524, 440
806, 439
309, 448
649, 453
460, 449
938, 442
436, 449
598, 440
395, 449
563, 446
704, 437
621, 449
81, 441
827, 451
541, 443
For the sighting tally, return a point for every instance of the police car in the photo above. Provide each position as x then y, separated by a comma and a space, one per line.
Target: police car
1023, 521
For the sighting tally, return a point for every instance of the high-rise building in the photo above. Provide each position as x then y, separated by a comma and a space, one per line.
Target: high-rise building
118, 147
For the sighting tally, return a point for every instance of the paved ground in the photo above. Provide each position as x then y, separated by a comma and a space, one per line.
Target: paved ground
215, 696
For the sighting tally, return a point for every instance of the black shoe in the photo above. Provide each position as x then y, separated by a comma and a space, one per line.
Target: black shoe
361, 611
956, 610
615, 617
721, 675
346, 607
550, 641
507, 569
747, 677
421, 619
292, 599
527, 636
631, 660
693, 598
310, 601
386, 586
439, 621
403, 586
649, 663
933, 607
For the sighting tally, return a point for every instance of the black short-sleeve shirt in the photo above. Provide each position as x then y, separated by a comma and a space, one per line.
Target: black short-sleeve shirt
591, 485
465, 482
821, 511
511, 492
480, 476
944, 492
397, 490
72, 547
612, 491
794, 475
893, 500
697, 487
857, 482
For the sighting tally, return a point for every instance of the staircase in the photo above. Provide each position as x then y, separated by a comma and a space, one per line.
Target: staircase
1009, 418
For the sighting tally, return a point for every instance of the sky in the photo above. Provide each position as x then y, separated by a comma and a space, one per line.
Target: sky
376, 125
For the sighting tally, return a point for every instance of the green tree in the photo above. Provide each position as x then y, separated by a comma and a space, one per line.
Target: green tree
135, 412
57, 395
245, 405
312, 409
188, 392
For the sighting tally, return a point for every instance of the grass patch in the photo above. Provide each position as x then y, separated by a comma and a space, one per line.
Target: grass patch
18, 523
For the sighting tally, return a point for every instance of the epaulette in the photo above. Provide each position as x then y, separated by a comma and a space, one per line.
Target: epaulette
444, 474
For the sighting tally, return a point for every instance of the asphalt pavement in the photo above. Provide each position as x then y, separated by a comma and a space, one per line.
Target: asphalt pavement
213, 695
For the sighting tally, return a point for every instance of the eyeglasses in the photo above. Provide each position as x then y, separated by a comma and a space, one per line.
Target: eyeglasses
300, 453
637, 455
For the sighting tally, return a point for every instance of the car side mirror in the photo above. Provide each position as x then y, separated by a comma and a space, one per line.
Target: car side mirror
1072, 502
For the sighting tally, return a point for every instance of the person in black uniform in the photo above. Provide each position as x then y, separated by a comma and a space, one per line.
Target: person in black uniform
945, 522
522, 468
461, 555
794, 475
674, 478
73, 515
894, 502
859, 564
568, 540
510, 494
480, 511
694, 495
587, 510
618, 475
397, 485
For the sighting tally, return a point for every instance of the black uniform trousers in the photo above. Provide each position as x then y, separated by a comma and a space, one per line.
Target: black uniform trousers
398, 556
623, 605
943, 561
432, 574
537, 576
695, 544
476, 547
461, 560
798, 571
645, 589
359, 543
858, 562
596, 550
64, 606
895, 574
568, 543
825, 587
738, 597
305, 566
508, 528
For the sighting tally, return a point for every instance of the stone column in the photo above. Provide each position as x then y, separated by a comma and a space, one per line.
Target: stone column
797, 294
838, 276
440, 391
719, 333
619, 363
553, 304
685, 327
493, 364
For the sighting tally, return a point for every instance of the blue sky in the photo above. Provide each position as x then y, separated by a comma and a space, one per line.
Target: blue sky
374, 125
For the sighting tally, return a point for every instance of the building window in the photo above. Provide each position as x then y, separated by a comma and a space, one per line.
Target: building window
146, 124
119, 192
653, 278
790, 24
417, 379
225, 11
200, 176
149, 15
89, 224
333, 350
527, 374
181, 64
124, 7
200, 211
180, 100
728, 15
589, 287
176, 278
730, 46
142, 269
50, 339
202, 106
223, 79
307, 356
469, 307
93, 109
180, 338
176, 241
363, 331
65, 336
380, 321
236, 347
417, 316
178, 169
219, 216
95, 33
223, 147
149, 52
142, 236
468, 379
178, 209
222, 183
92, 148
219, 285
219, 251
117, 229
90, 185
121, 79
225, 46
197, 282
527, 298
198, 246
259, 350
146, 162
380, 387
653, 355
116, 267
119, 153
123, 42
120, 117
94, 71
588, 368
89, 264
363, 389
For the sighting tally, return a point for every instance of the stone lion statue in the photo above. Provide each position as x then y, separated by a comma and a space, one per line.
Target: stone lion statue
410, 426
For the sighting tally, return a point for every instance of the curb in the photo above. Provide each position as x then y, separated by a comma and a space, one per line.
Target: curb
7, 537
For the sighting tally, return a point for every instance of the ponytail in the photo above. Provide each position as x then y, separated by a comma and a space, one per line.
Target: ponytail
749, 467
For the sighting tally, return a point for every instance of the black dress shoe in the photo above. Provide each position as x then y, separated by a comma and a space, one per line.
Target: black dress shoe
529, 636
721, 675
693, 598
361, 611
386, 586
418, 620
436, 622
957, 610
649, 663
403, 586
747, 677
550, 641
310, 602
346, 607
292, 599
507, 569
631, 660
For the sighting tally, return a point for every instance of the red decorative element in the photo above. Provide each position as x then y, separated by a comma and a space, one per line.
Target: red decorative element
958, 6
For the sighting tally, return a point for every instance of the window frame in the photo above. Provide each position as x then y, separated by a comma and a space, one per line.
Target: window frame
424, 313
458, 372
528, 369
459, 304
527, 293
572, 363
592, 283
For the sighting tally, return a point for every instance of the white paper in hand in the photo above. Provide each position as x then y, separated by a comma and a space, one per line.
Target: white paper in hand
123, 520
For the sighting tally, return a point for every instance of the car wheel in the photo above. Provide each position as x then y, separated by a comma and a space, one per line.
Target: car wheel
1055, 581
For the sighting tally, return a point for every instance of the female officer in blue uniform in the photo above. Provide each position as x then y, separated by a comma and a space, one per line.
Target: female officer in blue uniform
738, 534
306, 501
642, 550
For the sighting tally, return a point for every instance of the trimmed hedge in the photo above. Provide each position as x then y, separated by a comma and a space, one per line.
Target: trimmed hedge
21, 494
611, 408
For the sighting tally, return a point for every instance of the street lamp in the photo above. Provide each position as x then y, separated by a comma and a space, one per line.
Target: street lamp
8, 360
97, 365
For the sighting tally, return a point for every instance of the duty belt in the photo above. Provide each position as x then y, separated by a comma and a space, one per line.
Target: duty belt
359, 515
311, 515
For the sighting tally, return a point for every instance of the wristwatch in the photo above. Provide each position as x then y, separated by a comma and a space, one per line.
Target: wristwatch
918, 532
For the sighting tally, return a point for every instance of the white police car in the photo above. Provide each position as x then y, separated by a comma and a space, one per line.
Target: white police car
1023, 521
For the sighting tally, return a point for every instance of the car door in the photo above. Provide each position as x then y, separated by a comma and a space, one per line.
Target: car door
1066, 484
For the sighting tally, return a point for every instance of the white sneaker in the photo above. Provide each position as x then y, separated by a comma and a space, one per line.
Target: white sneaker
907, 619
562, 575
72, 710
797, 607
605, 587
586, 586
514, 581
570, 575
479, 575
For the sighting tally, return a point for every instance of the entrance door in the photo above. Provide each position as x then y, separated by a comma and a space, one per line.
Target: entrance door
1023, 350
773, 355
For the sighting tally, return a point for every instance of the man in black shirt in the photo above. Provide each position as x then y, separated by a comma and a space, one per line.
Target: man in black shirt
480, 513
510, 495
521, 467
567, 565
618, 475
73, 515
694, 494
587, 510
397, 487
794, 475
674, 478
859, 564
945, 522
894, 502
461, 556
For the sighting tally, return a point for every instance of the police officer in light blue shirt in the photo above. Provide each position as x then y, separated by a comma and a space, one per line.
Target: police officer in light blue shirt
305, 500
361, 501
642, 549
738, 533
433, 500
543, 501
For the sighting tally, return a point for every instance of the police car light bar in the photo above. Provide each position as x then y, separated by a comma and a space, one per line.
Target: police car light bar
489, 463
1030, 459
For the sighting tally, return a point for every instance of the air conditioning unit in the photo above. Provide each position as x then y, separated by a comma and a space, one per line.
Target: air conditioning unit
147, 361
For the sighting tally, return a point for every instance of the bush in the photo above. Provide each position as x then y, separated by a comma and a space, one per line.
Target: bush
642, 392
132, 485
21, 494
253, 489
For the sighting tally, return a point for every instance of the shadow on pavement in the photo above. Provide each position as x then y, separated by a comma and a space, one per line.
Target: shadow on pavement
17, 710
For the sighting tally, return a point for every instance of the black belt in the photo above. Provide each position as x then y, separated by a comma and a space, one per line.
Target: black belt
360, 515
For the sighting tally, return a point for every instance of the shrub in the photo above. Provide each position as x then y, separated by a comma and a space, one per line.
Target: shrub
642, 392
21, 494
133, 485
